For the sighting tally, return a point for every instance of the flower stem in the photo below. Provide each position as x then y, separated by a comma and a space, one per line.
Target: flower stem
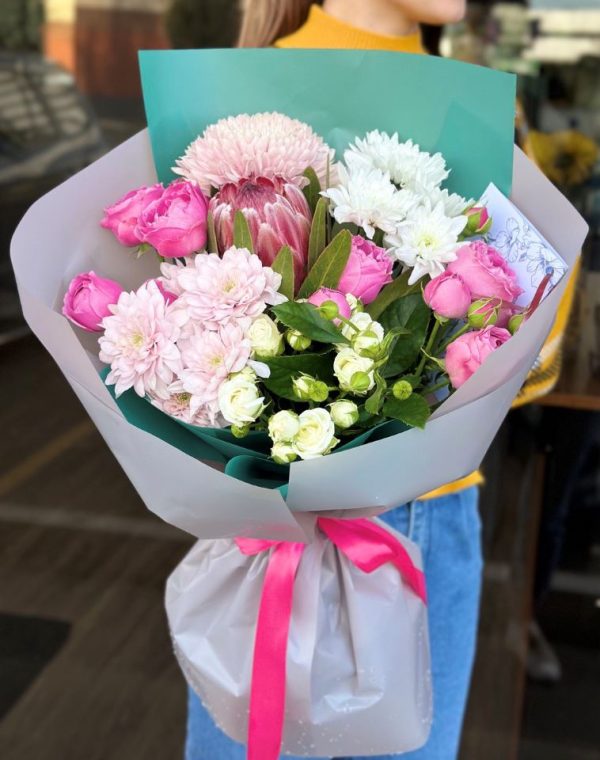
437, 387
427, 350
453, 337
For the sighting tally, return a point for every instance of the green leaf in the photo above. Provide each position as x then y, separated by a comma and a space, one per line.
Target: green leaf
212, 245
328, 268
241, 232
318, 232
413, 314
284, 265
305, 318
312, 192
392, 292
413, 411
373, 403
285, 368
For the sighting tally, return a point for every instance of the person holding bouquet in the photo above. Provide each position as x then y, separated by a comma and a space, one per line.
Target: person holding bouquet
445, 523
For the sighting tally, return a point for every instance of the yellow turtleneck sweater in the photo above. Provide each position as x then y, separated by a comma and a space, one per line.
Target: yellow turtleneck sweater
324, 31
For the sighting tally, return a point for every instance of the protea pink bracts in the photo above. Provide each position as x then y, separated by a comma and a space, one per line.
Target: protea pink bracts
277, 214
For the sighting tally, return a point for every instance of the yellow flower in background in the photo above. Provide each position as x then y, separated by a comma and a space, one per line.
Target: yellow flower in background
566, 158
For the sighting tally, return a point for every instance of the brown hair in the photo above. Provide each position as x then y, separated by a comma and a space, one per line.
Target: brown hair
264, 21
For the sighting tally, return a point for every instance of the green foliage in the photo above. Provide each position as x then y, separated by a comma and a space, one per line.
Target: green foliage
328, 268
318, 232
413, 314
413, 411
396, 289
312, 192
241, 232
305, 318
284, 265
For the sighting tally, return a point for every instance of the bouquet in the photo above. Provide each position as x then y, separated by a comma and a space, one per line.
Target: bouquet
312, 310
330, 271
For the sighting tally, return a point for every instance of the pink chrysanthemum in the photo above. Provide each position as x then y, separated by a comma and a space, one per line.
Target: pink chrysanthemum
208, 358
267, 145
178, 405
139, 343
216, 290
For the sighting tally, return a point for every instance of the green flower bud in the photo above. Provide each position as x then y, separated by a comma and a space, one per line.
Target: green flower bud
329, 310
283, 453
484, 312
297, 341
360, 382
402, 390
302, 387
515, 322
344, 413
319, 392
240, 431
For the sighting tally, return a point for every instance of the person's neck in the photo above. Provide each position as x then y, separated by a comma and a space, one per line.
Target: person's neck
377, 16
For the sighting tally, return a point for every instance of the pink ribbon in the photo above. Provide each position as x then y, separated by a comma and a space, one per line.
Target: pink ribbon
368, 546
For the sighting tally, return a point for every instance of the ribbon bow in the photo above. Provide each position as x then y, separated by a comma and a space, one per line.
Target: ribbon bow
368, 546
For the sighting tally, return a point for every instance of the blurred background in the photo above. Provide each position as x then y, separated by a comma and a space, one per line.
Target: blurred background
86, 668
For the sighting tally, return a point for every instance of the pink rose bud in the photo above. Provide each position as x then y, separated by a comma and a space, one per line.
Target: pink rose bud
485, 272
175, 224
326, 294
88, 299
491, 311
478, 221
122, 217
468, 352
369, 268
448, 296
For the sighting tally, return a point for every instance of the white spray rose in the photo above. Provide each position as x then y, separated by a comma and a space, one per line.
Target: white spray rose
344, 413
361, 321
283, 453
283, 426
240, 401
265, 338
316, 435
348, 364
367, 342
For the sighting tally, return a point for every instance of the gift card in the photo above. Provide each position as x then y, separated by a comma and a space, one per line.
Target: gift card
524, 248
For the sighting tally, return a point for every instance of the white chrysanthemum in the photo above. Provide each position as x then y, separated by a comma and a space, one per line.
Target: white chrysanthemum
261, 145
427, 241
454, 204
368, 198
215, 290
408, 166
139, 343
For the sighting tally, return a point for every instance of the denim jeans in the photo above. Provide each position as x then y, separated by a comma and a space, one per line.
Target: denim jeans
448, 531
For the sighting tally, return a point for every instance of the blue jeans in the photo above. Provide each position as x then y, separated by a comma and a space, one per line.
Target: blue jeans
448, 531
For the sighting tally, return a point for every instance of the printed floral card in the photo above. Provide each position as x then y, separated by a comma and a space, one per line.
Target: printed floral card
523, 247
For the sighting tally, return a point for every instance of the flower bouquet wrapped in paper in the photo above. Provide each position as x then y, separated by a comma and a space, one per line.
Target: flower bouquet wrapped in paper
330, 298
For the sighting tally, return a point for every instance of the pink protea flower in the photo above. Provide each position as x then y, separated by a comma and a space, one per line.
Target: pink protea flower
139, 343
208, 358
245, 147
216, 290
277, 214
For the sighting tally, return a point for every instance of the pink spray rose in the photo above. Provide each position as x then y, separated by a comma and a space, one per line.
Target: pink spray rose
122, 217
326, 294
448, 295
468, 352
88, 298
478, 220
175, 223
491, 311
485, 272
277, 214
369, 268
